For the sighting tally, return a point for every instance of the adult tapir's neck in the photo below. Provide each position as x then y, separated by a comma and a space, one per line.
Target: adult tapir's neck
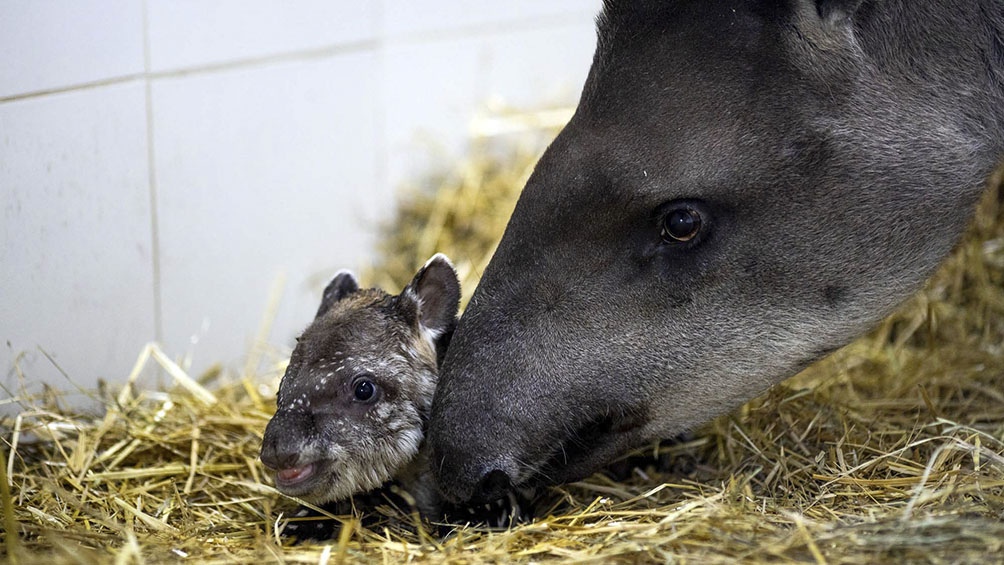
944, 49
992, 53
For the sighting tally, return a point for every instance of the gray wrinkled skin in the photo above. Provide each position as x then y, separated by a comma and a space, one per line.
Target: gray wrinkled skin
324, 444
833, 152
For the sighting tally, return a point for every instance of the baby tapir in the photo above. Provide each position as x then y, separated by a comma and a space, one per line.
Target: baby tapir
353, 404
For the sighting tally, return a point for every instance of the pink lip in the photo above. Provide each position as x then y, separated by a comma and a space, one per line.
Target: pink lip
294, 475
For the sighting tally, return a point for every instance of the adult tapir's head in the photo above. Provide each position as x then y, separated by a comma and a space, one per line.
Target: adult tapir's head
744, 187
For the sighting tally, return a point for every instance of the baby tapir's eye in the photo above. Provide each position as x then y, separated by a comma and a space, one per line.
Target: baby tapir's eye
365, 390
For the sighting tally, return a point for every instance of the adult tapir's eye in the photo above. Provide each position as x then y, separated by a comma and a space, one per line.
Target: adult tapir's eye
681, 224
364, 390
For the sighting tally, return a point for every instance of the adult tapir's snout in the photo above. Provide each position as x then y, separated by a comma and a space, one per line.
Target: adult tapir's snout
534, 389
471, 475
531, 397
477, 445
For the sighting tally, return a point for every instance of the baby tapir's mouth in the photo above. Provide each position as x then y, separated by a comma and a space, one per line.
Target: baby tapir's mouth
294, 475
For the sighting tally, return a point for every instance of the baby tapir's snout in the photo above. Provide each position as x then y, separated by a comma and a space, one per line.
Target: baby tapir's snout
283, 445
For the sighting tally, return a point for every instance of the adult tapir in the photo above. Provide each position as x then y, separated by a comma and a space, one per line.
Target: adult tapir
745, 186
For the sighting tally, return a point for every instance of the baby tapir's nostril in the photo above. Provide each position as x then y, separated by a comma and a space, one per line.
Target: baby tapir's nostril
278, 455
277, 451
494, 484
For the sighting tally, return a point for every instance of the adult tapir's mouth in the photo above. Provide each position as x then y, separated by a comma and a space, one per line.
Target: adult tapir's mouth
596, 443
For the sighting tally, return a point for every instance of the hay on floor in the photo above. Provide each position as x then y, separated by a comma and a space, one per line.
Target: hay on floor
890, 449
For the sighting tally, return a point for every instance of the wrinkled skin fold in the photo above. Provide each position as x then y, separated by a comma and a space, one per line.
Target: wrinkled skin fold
830, 154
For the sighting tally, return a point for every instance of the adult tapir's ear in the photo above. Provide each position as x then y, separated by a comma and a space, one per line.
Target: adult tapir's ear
810, 14
344, 284
824, 43
437, 291
836, 12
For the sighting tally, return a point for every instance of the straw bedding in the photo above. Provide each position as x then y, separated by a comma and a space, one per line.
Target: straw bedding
890, 449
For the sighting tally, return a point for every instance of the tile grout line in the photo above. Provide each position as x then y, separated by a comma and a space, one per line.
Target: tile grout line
71, 88
148, 75
158, 314
382, 41
381, 153
484, 29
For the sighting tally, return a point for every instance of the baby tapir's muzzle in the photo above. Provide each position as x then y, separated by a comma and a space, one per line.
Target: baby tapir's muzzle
281, 453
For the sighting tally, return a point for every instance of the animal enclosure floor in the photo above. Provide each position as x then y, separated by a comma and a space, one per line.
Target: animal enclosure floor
891, 449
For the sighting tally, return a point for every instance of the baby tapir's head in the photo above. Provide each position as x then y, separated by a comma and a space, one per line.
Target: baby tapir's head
352, 406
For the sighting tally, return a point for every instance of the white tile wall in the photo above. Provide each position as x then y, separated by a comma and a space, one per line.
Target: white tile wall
75, 248
191, 33
261, 171
423, 16
528, 67
51, 44
280, 134
428, 122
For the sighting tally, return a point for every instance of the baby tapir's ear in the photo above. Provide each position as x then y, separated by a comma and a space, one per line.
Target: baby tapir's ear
342, 285
437, 290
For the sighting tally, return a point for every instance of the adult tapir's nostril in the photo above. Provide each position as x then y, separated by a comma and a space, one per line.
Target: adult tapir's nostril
494, 485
